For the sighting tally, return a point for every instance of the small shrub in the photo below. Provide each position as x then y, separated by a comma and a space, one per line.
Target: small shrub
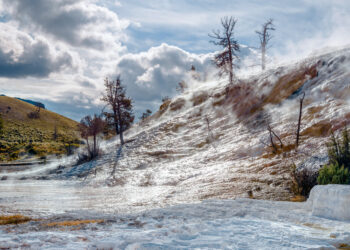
34, 115
303, 180
177, 104
333, 174
337, 171
199, 98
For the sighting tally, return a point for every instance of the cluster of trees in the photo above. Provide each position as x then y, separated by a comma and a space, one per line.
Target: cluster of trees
119, 117
225, 38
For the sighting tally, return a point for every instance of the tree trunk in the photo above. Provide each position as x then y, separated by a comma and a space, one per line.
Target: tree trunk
230, 59
116, 122
263, 57
299, 120
95, 150
120, 125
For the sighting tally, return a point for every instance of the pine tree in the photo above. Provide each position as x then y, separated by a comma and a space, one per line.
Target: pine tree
120, 106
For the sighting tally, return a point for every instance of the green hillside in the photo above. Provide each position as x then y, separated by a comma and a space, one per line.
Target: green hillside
45, 133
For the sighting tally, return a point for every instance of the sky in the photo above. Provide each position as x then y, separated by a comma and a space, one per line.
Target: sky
60, 51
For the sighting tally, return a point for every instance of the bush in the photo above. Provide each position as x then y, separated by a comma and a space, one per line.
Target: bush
34, 115
337, 171
303, 180
333, 174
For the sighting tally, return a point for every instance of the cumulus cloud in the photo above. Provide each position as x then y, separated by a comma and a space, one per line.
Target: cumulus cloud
78, 23
155, 73
22, 56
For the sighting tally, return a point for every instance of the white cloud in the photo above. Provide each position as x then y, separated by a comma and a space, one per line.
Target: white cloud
153, 74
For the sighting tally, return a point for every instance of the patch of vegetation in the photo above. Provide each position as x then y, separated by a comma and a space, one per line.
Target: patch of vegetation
199, 98
13, 219
338, 168
320, 129
333, 174
72, 223
177, 104
303, 180
289, 84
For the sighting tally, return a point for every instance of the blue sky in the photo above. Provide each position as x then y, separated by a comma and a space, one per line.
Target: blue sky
59, 51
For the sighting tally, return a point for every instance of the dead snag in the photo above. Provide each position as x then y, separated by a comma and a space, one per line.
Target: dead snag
299, 120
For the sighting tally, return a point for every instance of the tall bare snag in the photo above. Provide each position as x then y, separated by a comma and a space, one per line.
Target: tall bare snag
225, 38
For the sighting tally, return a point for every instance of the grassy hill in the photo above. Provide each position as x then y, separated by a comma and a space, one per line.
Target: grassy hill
23, 136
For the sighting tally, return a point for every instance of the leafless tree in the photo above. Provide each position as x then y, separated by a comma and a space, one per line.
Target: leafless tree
265, 37
120, 106
225, 59
91, 127
273, 134
301, 100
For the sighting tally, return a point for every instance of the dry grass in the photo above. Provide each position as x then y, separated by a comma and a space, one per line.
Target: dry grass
298, 198
321, 129
315, 226
177, 104
201, 144
199, 98
289, 83
164, 106
344, 246
13, 219
72, 223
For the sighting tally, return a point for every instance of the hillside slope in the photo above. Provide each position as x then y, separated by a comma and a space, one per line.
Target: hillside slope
176, 154
23, 135
212, 141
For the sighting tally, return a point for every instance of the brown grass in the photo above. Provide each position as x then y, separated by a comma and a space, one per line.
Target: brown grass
315, 226
289, 83
344, 246
164, 106
320, 129
298, 198
72, 223
13, 219
199, 98
177, 104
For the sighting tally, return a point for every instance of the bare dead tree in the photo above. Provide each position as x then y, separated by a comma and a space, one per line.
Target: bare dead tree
91, 127
225, 59
273, 145
278, 138
120, 106
301, 100
265, 37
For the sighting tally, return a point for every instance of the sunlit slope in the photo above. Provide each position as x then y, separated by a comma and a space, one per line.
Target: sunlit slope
212, 141
23, 135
